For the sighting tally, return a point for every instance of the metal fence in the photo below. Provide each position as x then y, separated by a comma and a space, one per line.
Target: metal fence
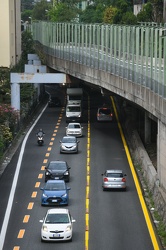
136, 53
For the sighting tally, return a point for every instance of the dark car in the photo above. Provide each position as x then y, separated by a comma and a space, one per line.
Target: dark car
57, 170
54, 101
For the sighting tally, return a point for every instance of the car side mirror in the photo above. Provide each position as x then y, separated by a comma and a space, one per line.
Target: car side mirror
73, 220
60, 141
68, 188
41, 188
41, 221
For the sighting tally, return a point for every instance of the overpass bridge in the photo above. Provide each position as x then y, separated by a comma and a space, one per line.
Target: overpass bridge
129, 61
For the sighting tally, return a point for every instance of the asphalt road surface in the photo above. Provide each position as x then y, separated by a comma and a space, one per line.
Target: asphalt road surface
114, 220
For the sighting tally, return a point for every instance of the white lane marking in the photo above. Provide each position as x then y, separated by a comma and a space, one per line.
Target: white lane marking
14, 184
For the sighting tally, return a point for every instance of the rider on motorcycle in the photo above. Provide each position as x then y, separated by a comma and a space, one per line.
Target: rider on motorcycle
40, 133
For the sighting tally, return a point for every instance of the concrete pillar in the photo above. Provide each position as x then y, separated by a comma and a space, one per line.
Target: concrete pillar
161, 154
15, 96
147, 138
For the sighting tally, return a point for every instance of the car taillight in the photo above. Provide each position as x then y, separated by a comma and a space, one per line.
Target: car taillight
111, 114
105, 179
123, 179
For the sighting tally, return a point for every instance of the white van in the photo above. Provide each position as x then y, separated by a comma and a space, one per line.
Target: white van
73, 112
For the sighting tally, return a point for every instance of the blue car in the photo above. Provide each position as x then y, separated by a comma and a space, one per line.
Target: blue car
55, 192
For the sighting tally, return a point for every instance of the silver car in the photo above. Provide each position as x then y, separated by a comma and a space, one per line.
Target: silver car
104, 114
75, 129
69, 144
114, 179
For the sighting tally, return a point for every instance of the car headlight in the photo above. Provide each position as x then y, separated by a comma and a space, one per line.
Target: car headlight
45, 229
74, 146
63, 147
68, 228
66, 173
44, 195
64, 195
47, 173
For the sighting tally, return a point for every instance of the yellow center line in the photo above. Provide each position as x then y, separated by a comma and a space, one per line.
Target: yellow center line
87, 200
55, 131
40, 176
26, 218
51, 143
56, 126
21, 234
43, 168
30, 205
34, 194
49, 148
54, 134
52, 139
45, 161
37, 185
47, 154
16, 248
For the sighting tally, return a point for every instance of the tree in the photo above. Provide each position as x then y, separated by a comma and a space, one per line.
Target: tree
40, 10
146, 14
25, 15
109, 14
61, 12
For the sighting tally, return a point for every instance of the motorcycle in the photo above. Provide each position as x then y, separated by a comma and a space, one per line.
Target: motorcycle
40, 139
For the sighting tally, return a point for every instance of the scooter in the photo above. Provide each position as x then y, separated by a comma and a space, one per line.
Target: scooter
40, 140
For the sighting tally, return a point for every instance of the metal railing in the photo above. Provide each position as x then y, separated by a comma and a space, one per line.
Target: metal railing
136, 53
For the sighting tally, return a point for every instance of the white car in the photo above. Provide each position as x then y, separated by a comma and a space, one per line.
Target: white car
75, 129
57, 225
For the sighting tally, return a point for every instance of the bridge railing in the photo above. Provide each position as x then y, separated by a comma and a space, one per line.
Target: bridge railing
136, 53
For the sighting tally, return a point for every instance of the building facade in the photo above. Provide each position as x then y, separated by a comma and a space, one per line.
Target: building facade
10, 30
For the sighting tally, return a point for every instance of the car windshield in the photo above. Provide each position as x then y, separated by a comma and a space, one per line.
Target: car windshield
57, 218
74, 126
115, 175
69, 140
105, 111
54, 186
73, 109
57, 165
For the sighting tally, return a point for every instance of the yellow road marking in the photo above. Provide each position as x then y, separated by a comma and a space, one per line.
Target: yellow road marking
54, 134
37, 185
47, 154
43, 168
21, 234
45, 161
16, 248
30, 205
34, 194
26, 218
56, 126
40, 176
51, 143
136, 181
49, 148
52, 139
55, 130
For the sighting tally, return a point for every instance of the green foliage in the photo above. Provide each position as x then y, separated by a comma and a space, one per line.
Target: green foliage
4, 85
25, 15
40, 10
61, 12
93, 14
129, 19
5, 135
146, 14
109, 14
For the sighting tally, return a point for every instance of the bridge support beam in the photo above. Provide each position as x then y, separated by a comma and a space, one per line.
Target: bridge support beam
161, 154
147, 136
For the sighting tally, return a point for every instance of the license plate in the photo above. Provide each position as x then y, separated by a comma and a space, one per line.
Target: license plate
56, 235
56, 178
54, 200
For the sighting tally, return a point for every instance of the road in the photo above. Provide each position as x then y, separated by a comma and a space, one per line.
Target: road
109, 220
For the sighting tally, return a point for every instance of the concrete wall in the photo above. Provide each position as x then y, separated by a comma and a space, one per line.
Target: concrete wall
10, 30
